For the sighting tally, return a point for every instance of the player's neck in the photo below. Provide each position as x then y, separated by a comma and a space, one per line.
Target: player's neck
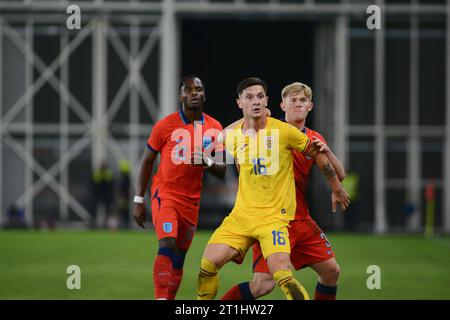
193, 115
254, 124
299, 124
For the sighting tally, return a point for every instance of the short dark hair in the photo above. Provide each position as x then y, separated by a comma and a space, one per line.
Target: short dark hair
187, 77
252, 81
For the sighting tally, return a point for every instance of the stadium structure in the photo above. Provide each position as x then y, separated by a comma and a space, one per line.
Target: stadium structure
70, 99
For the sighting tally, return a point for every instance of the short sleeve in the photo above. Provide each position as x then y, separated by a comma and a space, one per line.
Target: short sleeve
156, 139
296, 139
320, 137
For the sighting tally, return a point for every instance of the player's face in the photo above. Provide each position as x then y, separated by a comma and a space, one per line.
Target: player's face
253, 101
296, 106
192, 94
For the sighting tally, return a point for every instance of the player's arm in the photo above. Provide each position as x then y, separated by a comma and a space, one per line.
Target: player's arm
215, 165
339, 196
145, 173
335, 162
299, 141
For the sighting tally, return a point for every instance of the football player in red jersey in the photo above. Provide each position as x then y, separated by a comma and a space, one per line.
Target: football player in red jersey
309, 244
180, 139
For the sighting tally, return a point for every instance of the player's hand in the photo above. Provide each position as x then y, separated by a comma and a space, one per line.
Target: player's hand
197, 159
341, 198
139, 214
320, 145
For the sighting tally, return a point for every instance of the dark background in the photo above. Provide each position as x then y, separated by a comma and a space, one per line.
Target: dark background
225, 52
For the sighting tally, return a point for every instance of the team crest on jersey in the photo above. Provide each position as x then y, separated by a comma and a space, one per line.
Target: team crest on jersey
167, 227
268, 142
207, 142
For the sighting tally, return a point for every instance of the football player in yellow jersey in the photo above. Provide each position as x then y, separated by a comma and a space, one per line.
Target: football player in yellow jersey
265, 203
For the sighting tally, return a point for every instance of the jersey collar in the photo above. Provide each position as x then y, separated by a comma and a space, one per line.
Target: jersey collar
186, 120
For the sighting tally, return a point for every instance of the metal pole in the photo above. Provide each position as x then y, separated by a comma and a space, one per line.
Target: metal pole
340, 113
64, 129
341, 77
29, 143
99, 59
413, 139
380, 167
99, 121
169, 57
134, 100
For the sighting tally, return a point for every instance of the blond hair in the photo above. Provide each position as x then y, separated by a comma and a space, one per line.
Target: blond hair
296, 88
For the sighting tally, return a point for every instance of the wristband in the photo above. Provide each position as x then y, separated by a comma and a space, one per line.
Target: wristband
138, 199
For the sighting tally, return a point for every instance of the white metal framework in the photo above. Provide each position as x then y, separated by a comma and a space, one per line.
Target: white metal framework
95, 129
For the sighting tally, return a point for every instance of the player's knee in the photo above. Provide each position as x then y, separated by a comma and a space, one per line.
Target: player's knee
169, 243
336, 271
220, 254
331, 274
262, 286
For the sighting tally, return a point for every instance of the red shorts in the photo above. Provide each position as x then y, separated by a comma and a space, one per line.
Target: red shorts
309, 245
169, 222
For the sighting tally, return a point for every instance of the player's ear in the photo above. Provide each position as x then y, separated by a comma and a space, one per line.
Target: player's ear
311, 106
238, 101
282, 106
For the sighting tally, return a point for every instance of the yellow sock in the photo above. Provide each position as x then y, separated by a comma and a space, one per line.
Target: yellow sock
292, 289
208, 280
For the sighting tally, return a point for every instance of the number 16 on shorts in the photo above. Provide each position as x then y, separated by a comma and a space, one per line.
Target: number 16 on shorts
278, 238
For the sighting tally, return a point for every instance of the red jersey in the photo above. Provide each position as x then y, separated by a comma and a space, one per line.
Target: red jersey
175, 138
302, 168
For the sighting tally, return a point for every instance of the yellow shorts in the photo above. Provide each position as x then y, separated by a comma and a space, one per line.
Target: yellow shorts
241, 232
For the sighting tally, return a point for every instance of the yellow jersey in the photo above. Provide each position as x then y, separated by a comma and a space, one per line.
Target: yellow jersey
266, 176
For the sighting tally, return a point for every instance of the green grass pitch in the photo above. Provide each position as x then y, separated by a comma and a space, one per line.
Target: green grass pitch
118, 265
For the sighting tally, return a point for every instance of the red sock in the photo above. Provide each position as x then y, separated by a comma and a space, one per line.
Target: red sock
325, 292
239, 292
161, 276
174, 283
